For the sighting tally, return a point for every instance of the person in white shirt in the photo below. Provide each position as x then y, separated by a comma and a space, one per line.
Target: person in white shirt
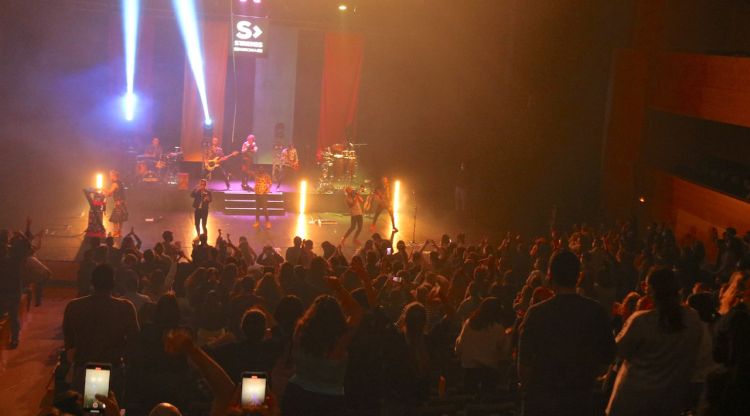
483, 348
659, 349
354, 202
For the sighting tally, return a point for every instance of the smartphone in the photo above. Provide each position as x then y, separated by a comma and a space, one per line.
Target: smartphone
397, 279
253, 388
388, 251
96, 382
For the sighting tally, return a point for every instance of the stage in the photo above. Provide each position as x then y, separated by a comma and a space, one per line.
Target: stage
154, 210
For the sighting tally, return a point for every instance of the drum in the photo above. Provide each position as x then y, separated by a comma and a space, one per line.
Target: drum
141, 168
339, 166
338, 148
350, 166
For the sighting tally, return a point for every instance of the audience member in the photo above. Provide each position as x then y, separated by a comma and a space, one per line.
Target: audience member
566, 342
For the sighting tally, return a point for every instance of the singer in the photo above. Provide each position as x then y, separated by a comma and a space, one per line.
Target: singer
354, 202
201, 199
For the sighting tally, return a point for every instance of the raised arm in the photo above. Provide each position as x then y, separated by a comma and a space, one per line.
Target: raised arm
351, 308
372, 297
221, 385
138, 241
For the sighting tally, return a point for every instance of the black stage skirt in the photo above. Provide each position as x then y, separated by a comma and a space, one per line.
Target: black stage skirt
119, 213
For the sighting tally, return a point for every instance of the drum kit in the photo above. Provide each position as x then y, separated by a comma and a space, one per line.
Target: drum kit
164, 169
338, 163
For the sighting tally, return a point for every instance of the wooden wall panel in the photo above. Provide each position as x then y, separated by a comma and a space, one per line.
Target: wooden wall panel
693, 209
704, 86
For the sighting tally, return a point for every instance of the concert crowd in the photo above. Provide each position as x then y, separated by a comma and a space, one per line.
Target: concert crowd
587, 322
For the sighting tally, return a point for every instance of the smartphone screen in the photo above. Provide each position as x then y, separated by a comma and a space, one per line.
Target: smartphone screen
96, 382
397, 279
253, 388
388, 251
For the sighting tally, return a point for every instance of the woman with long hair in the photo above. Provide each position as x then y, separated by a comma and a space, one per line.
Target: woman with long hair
412, 353
483, 346
119, 213
659, 348
407, 362
734, 292
268, 289
157, 376
319, 351
732, 348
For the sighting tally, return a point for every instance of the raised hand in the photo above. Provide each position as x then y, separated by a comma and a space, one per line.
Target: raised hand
111, 408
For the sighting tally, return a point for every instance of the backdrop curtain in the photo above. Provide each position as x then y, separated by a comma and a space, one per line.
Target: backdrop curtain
215, 54
339, 93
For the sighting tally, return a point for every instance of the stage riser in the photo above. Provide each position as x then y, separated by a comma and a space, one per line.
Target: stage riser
245, 203
272, 212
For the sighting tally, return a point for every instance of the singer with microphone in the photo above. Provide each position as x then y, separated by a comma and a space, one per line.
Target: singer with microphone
201, 199
354, 202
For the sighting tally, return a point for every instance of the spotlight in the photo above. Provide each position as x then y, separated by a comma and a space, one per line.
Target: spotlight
302, 196
188, 22
128, 104
396, 202
256, 1
130, 12
642, 199
343, 7
301, 223
99, 182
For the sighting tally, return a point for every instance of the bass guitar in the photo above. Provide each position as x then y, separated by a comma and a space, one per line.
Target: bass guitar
210, 164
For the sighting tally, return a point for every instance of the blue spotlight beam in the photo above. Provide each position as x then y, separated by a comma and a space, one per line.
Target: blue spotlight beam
130, 16
188, 21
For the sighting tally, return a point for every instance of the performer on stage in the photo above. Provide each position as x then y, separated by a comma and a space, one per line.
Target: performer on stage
213, 152
119, 213
97, 205
263, 184
382, 200
249, 149
154, 149
201, 200
289, 163
354, 202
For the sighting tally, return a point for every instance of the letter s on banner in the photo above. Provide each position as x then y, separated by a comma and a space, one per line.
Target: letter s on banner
244, 30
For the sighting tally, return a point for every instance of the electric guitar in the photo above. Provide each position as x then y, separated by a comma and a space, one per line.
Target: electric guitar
210, 164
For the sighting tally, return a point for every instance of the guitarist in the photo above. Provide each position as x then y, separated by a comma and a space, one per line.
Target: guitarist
249, 149
215, 151
382, 201
289, 162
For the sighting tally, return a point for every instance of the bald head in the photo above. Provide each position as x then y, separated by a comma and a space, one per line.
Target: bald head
165, 409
